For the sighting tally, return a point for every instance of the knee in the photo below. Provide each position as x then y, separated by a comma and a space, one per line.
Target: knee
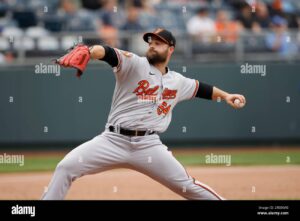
66, 168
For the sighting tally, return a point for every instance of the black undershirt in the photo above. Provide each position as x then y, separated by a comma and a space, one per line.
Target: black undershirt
204, 91
110, 56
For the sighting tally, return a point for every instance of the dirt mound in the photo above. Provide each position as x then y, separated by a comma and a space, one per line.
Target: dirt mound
255, 182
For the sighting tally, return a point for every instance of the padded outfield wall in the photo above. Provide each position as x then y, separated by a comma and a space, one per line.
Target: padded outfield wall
48, 109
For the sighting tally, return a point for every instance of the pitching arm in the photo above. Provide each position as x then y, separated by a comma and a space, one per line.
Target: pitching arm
210, 92
218, 94
105, 53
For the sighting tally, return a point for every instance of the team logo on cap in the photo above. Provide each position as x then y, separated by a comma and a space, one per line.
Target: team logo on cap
158, 30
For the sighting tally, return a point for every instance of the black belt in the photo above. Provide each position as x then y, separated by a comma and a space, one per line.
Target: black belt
131, 133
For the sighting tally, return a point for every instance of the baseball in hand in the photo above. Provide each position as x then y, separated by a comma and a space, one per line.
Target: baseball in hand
238, 103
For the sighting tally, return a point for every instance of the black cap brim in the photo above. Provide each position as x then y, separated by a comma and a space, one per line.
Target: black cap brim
150, 34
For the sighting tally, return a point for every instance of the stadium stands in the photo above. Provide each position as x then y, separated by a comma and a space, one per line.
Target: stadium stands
46, 27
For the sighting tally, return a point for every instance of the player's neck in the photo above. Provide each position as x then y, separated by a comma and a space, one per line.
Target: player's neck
161, 67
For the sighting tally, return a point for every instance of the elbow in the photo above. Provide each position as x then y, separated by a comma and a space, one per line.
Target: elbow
97, 52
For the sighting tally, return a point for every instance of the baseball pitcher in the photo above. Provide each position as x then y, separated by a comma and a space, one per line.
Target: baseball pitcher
145, 94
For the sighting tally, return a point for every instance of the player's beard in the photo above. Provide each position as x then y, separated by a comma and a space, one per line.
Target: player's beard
155, 58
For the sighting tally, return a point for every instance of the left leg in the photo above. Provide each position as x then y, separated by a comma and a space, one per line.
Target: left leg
159, 164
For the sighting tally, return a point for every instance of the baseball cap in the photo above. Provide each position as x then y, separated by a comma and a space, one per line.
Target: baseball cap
162, 34
201, 10
277, 20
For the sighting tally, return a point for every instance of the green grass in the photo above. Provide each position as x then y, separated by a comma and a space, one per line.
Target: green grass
243, 159
48, 163
44, 163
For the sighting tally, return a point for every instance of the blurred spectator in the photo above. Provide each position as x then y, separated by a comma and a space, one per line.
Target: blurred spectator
6, 58
137, 3
132, 23
5, 18
146, 6
286, 9
110, 14
245, 16
9, 57
277, 5
92, 4
279, 40
201, 26
283, 6
109, 35
111, 19
261, 15
148, 16
108, 31
68, 7
236, 4
27, 18
293, 21
228, 30
76, 19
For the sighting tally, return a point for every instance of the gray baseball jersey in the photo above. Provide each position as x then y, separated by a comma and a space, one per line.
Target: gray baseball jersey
143, 99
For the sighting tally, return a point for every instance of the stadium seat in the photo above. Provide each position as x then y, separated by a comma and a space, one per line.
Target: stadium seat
68, 41
24, 43
4, 44
25, 19
12, 32
36, 32
48, 43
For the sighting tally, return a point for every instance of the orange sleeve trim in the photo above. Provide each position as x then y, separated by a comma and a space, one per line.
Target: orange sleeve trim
196, 88
119, 58
207, 188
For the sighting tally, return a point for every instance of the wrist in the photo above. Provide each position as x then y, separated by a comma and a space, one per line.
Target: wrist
225, 95
91, 50
219, 95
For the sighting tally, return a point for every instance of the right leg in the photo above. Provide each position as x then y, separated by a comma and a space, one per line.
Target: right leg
152, 158
101, 153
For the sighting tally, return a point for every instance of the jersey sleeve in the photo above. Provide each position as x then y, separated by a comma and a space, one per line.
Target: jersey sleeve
188, 88
127, 64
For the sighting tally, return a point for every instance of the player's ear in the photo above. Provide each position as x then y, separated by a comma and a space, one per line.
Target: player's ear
171, 49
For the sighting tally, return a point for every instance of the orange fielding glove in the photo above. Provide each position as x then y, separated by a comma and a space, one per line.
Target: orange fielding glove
78, 58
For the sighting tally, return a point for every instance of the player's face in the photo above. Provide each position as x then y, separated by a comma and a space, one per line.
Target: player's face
158, 51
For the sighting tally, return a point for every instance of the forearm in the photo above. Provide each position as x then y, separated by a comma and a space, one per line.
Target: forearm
234, 100
104, 53
97, 52
219, 94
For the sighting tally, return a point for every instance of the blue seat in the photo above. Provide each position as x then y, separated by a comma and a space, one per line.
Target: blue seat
25, 19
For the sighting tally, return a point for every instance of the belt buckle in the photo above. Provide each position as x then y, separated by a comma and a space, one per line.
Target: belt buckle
111, 128
114, 128
136, 133
149, 132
